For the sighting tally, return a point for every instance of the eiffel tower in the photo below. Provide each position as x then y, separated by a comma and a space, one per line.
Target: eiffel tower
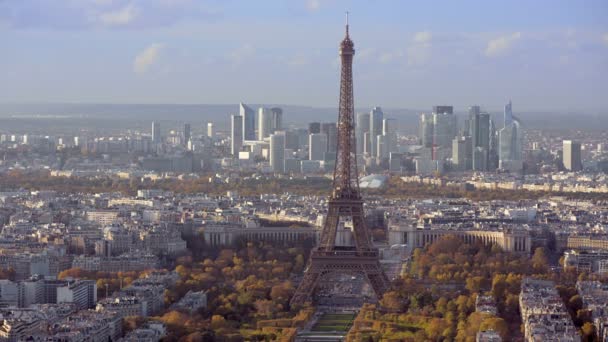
345, 203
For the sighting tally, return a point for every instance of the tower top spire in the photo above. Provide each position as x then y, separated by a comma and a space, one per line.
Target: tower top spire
347, 23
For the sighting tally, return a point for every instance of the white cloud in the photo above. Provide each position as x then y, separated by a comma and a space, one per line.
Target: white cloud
388, 57
239, 55
419, 52
502, 44
313, 5
119, 17
605, 38
423, 37
298, 60
145, 59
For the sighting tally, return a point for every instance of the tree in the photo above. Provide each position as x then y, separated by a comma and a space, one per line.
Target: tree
497, 324
539, 260
588, 330
218, 322
393, 301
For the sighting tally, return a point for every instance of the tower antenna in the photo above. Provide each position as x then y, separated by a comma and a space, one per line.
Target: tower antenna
347, 23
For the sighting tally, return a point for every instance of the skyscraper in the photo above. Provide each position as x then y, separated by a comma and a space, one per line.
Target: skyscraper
425, 130
330, 129
264, 123
187, 133
376, 116
480, 138
210, 129
277, 152
389, 127
462, 153
317, 146
444, 127
571, 155
236, 133
314, 128
277, 119
248, 116
361, 127
155, 132
510, 141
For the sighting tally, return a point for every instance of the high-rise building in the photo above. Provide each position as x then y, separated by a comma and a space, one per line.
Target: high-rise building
510, 141
155, 132
236, 133
361, 127
376, 116
248, 116
210, 129
367, 144
425, 130
444, 127
443, 110
462, 153
389, 127
277, 119
277, 152
479, 128
330, 129
264, 123
314, 128
187, 133
317, 146
571, 155
383, 146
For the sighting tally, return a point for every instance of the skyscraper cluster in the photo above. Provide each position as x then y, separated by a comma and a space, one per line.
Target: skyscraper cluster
478, 146
375, 134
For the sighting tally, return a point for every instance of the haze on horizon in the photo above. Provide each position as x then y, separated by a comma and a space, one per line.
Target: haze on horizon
544, 55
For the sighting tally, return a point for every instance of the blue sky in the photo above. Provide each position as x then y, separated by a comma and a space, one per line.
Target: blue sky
542, 54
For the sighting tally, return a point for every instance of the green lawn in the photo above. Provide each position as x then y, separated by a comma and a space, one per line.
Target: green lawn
334, 322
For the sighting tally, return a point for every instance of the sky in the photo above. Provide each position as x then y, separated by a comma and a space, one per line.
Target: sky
544, 55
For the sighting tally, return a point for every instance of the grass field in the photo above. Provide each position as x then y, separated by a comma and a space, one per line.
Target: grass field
334, 322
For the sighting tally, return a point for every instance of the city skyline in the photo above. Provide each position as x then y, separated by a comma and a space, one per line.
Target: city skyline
127, 52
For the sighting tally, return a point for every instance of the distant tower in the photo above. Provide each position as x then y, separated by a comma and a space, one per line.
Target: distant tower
314, 128
571, 155
187, 133
331, 131
210, 129
264, 123
389, 127
317, 146
362, 127
277, 152
376, 116
155, 132
277, 119
510, 142
248, 116
236, 134
345, 204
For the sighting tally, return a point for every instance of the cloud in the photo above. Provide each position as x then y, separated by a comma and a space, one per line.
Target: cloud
419, 51
241, 54
389, 57
122, 16
423, 37
116, 14
501, 45
605, 38
145, 59
313, 5
298, 60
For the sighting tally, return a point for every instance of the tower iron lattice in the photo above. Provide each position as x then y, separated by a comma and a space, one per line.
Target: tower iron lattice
345, 203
